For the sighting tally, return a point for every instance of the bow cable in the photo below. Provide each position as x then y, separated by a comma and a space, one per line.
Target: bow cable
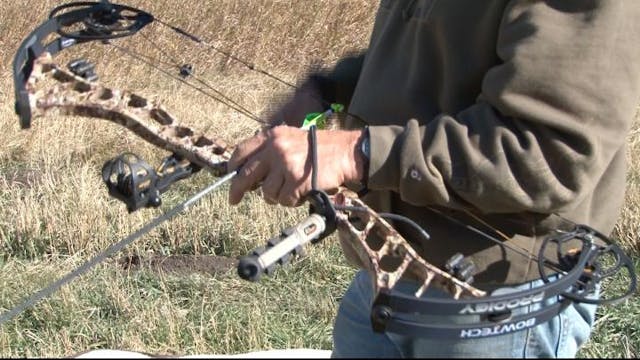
246, 64
220, 97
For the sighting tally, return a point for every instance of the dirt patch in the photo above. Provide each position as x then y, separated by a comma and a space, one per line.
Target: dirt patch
22, 177
180, 264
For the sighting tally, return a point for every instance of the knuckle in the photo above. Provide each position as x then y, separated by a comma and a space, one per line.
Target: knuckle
288, 198
277, 141
276, 130
241, 148
269, 192
245, 172
287, 202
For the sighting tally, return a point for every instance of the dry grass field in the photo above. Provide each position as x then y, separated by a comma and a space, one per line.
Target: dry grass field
55, 212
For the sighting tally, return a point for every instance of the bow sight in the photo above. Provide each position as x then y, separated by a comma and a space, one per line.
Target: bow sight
134, 182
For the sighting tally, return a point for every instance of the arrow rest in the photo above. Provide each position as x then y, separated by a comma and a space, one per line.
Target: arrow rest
134, 182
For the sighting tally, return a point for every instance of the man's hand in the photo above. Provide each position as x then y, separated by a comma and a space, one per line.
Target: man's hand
279, 158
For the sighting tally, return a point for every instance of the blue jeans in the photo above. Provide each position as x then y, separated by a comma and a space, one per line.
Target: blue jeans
353, 337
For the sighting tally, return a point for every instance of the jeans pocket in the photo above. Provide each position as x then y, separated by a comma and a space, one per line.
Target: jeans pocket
576, 325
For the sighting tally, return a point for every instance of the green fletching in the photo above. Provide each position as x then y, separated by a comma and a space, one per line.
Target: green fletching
320, 119
317, 119
337, 108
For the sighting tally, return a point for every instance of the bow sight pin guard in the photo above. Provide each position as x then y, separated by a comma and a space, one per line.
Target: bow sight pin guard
134, 182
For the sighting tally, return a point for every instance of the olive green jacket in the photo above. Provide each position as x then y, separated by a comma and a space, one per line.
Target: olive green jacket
510, 111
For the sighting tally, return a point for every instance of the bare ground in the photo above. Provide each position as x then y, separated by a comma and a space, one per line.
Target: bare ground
183, 264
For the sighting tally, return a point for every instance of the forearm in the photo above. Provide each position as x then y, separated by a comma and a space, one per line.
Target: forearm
514, 154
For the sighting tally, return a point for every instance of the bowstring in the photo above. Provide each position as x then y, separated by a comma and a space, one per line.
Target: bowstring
517, 250
227, 54
215, 94
247, 64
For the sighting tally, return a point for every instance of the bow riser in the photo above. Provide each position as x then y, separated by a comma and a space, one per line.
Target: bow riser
394, 258
73, 95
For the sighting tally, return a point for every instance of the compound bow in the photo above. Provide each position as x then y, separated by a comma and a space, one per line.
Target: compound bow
76, 92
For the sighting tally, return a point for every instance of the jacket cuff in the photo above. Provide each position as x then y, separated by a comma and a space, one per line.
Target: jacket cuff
384, 163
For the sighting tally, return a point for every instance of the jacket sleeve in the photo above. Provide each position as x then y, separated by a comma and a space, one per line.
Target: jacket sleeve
548, 121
